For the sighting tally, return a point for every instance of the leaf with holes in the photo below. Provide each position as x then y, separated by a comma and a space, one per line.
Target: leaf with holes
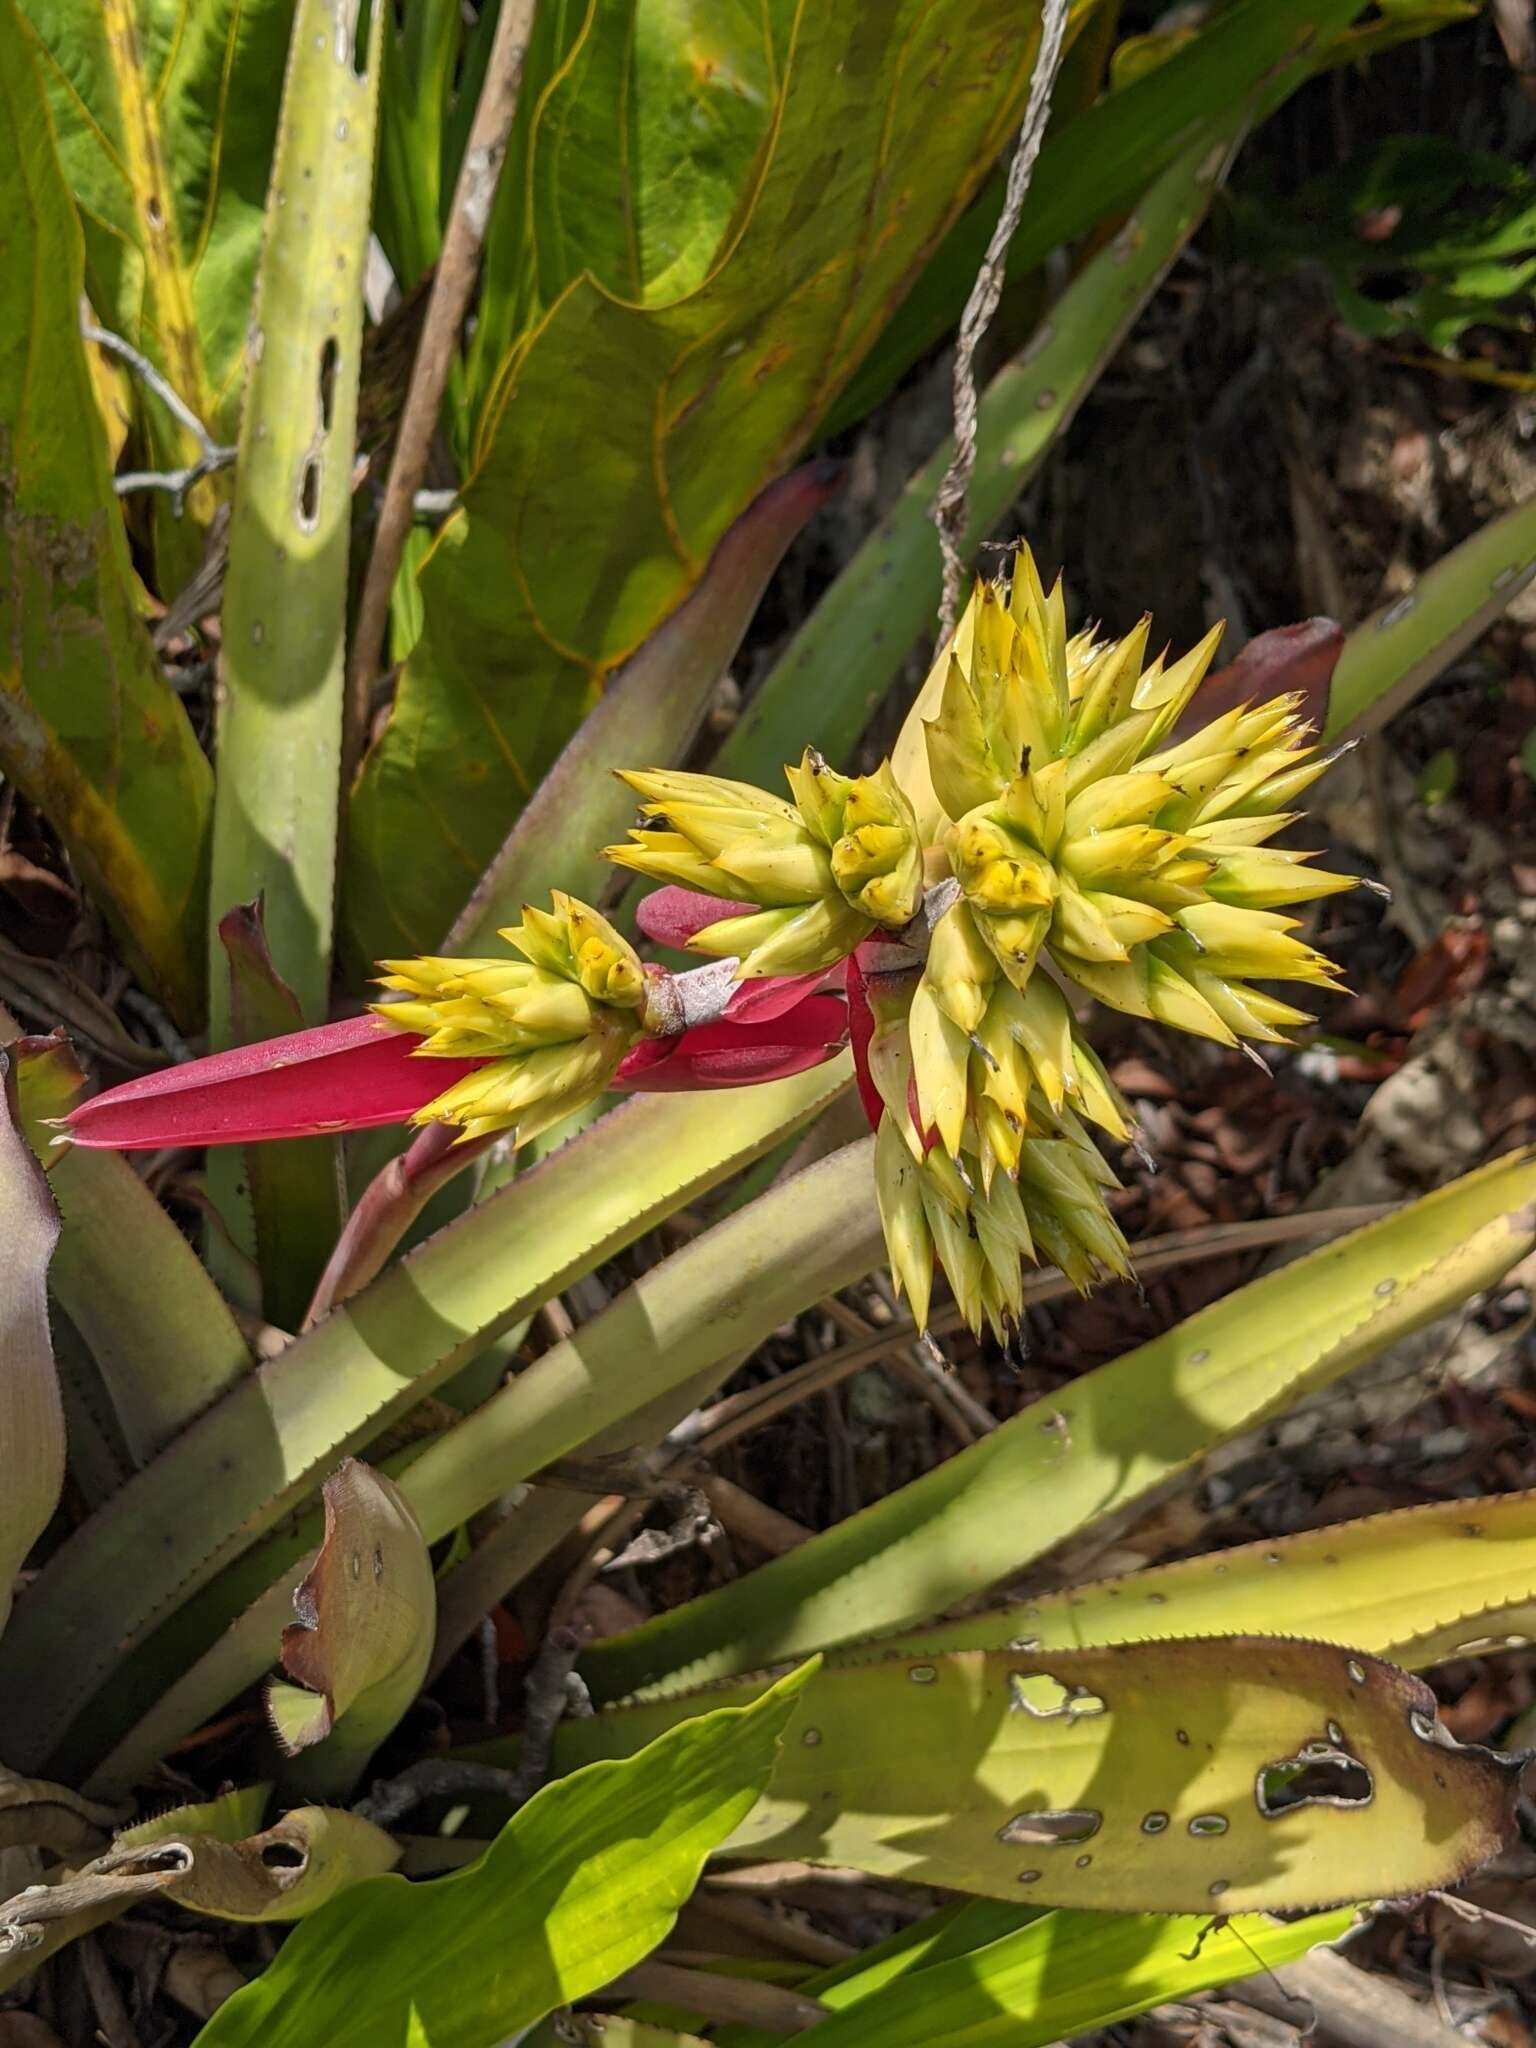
360, 1646
90, 731
1226, 1774
622, 438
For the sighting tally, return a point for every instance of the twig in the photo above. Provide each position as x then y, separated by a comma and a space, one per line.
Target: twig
949, 505
456, 270
177, 481
1350, 2007
547, 1696
732, 2000
114, 2027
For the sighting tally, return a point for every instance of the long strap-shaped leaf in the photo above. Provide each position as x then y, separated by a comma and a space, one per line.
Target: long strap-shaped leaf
31, 1414
158, 1330
1103, 1443
679, 1327
1220, 1773
265, 1446
89, 729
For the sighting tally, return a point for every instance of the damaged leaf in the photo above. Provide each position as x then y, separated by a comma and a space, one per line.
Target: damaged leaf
360, 1647
31, 1412
1217, 1774
89, 729
205, 1858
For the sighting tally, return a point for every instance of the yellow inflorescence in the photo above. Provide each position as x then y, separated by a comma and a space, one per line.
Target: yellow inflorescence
1081, 842
1040, 826
553, 1026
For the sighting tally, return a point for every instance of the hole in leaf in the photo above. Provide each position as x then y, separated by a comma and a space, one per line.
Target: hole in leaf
1153, 1823
328, 357
1319, 1774
283, 1856
309, 494
1037, 1693
154, 212
1208, 1824
1356, 1671
923, 1674
1428, 1729
1052, 1825
1029, 1877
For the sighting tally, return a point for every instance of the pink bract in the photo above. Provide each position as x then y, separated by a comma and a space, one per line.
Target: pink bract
335, 1077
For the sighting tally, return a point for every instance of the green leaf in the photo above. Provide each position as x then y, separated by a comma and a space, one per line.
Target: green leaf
837, 667
360, 1647
160, 1333
1098, 165
89, 730
649, 715
166, 116
1451, 240
1063, 1974
584, 1881
31, 1415
621, 440
1109, 1440
259, 1452
680, 1327
419, 57
294, 1183
1400, 649
1219, 1774
284, 619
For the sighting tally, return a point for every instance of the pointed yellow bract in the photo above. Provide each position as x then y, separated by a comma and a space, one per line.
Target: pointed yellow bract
552, 1026
1044, 821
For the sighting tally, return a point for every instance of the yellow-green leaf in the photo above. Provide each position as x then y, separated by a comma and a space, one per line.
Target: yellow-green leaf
582, 1882
1214, 1774
89, 729
1102, 1444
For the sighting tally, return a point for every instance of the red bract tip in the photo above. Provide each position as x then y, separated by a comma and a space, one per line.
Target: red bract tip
336, 1077
672, 916
861, 1029
731, 1054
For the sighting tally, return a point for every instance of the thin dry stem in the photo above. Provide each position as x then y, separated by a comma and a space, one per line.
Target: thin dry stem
456, 271
949, 504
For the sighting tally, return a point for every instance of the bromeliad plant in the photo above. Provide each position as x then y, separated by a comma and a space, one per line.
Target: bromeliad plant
301, 1449
1042, 826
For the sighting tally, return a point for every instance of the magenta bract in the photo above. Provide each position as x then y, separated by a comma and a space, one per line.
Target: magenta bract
335, 1077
